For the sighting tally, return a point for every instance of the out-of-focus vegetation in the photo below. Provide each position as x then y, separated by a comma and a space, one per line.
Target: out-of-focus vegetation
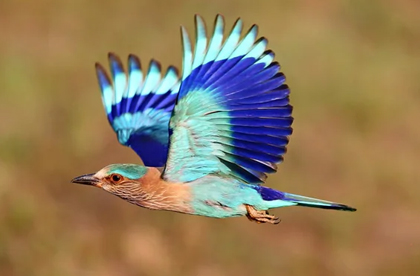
353, 67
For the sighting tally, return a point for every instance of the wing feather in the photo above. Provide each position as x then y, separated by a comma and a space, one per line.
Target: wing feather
139, 105
232, 116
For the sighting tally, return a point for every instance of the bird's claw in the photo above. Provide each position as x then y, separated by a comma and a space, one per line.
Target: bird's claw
260, 216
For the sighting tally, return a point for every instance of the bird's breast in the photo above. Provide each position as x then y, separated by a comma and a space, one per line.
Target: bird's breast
159, 194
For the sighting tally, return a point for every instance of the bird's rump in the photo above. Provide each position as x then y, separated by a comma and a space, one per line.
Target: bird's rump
232, 116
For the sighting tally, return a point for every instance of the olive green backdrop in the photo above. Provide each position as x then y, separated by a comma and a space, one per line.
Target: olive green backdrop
353, 69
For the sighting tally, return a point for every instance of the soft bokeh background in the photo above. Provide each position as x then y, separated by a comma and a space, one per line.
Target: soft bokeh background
353, 67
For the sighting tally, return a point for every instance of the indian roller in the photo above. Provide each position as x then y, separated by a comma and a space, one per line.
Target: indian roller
207, 138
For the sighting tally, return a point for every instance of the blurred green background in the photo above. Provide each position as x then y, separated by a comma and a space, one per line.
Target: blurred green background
353, 67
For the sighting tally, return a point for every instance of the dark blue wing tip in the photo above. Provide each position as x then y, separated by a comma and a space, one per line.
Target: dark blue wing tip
217, 18
196, 17
269, 52
113, 56
259, 40
276, 65
134, 63
172, 68
115, 64
254, 28
100, 70
103, 77
154, 63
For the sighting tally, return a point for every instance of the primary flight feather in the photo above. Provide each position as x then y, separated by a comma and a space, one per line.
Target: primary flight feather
218, 130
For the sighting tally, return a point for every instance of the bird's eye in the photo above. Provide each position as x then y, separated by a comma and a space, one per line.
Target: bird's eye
116, 177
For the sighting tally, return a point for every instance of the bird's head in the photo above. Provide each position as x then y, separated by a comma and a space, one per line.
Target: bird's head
118, 179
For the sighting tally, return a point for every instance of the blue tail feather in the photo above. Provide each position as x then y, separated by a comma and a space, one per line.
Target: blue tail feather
269, 194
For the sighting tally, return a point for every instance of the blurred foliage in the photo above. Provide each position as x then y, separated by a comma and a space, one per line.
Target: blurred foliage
353, 67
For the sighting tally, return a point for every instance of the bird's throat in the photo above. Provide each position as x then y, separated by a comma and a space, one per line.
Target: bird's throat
158, 194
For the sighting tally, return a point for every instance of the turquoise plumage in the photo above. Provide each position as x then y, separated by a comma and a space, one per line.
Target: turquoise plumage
221, 129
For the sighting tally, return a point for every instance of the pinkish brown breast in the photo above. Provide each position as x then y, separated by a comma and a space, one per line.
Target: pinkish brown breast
158, 194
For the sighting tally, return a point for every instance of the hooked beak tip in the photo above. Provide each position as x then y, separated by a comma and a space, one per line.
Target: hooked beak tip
86, 179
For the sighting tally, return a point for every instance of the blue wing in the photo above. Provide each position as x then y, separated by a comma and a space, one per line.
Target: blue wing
139, 106
233, 116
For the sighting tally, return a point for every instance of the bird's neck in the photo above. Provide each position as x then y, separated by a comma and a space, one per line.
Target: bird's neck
159, 194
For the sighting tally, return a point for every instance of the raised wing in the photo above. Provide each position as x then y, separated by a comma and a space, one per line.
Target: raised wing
139, 106
233, 116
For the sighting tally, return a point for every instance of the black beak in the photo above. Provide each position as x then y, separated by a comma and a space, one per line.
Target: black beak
86, 179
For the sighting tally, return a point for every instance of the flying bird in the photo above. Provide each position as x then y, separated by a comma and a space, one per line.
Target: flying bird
207, 138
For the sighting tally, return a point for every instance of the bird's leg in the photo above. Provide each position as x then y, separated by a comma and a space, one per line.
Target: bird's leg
260, 216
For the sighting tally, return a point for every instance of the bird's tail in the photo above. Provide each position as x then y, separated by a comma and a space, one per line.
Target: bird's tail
280, 199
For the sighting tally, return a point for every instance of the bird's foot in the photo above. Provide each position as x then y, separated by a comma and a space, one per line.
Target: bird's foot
261, 216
